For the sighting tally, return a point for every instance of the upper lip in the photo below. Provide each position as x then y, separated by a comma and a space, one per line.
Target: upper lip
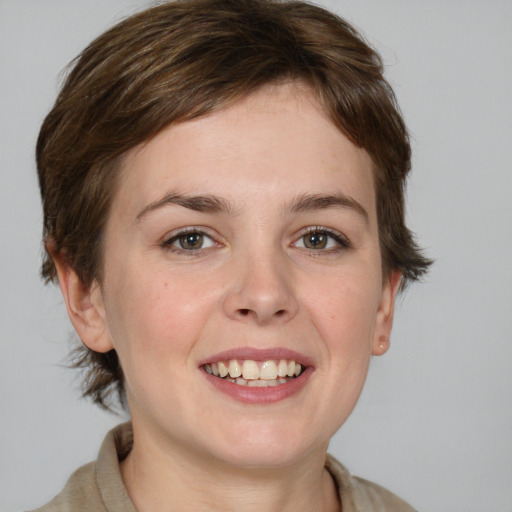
258, 354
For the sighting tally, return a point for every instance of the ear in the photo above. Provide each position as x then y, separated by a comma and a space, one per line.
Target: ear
84, 305
384, 320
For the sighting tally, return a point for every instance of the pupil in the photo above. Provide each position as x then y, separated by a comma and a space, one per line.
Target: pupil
191, 241
316, 241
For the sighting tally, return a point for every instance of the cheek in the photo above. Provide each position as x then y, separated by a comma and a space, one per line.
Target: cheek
347, 306
152, 315
345, 315
154, 324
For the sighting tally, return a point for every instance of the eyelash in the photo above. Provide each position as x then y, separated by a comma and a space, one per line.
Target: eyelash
168, 243
341, 241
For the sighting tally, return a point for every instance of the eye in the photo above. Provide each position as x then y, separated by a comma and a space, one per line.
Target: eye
318, 239
189, 240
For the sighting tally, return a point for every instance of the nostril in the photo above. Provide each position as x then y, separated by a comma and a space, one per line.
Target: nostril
244, 312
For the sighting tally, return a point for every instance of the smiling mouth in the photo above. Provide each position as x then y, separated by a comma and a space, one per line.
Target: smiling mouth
253, 373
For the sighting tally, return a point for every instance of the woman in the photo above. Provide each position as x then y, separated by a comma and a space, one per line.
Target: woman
222, 184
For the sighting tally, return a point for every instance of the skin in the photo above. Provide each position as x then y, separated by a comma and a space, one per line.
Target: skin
254, 283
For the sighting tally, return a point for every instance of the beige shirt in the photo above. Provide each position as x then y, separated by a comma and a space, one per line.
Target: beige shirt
98, 487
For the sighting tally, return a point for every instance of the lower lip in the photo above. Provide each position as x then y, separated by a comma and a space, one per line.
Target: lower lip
268, 395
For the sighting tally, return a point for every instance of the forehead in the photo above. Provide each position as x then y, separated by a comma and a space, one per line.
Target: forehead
275, 143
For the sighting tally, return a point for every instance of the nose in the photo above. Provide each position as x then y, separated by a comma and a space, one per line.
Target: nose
261, 290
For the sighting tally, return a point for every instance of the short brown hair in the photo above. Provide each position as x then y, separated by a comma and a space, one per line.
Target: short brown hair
182, 60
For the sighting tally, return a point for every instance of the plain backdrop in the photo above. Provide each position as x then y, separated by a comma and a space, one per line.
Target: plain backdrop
434, 423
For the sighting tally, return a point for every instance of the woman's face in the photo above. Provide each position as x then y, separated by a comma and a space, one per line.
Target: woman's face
235, 242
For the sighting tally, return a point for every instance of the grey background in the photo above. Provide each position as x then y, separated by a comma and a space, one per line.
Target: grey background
434, 423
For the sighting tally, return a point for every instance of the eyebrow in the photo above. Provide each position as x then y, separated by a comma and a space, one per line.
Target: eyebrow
215, 204
200, 203
309, 202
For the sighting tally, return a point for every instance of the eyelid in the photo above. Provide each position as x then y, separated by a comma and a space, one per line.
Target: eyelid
341, 239
168, 240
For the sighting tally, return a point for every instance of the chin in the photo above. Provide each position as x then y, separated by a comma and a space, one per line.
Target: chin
267, 446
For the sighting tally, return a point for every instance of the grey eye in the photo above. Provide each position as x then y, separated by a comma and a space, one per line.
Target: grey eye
317, 240
191, 241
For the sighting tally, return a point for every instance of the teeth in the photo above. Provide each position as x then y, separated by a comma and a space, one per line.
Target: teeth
265, 383
223, 369
282, 368
250, 370
235, 370
266, 373
268, 370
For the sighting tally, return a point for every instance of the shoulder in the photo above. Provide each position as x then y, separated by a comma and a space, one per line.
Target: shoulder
360, 495
98, 486
379, 498
79, 495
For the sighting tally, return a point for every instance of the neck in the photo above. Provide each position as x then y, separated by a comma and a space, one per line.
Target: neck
175, 480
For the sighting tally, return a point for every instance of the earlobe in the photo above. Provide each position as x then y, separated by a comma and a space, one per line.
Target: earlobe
384, 320
84, 305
